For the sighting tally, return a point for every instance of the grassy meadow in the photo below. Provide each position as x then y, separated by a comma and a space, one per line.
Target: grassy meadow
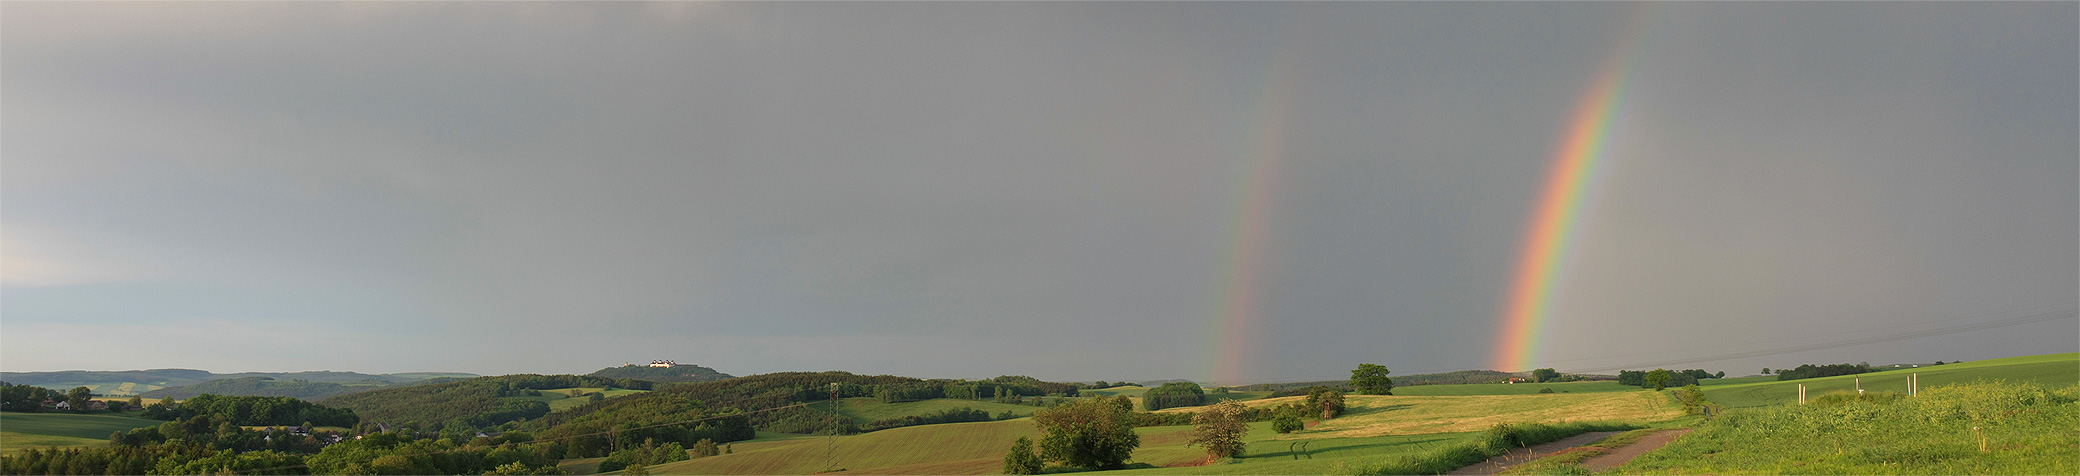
564, 398
2055, 370
866, 410
1379, 415
1972, 428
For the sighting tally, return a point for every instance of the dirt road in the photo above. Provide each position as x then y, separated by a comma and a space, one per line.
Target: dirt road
1613, 458
1517, 456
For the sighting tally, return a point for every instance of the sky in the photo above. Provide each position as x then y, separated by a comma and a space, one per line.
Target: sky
1227, 192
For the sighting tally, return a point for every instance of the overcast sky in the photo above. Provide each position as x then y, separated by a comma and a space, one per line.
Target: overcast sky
1048, 189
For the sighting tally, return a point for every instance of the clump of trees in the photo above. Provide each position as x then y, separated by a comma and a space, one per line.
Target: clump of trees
1371, 379
1091, 434
1812, 371
1328, 402
649, 454
1220, 428
1658, 379
1172, 395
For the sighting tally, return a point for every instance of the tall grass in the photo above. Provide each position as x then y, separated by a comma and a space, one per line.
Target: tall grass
1976, 428
1494, 442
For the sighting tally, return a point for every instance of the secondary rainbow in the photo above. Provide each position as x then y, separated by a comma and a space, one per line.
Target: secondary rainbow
1241, 298
1557, 217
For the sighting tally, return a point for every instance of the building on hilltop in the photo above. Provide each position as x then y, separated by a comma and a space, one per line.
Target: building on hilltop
663, 363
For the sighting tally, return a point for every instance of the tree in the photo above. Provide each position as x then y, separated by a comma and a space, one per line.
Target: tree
1102, 384
137, 402
1021, 460
1325, 400
1287, 421
1220, 428
1544, 375
1721, 374
1659, 378
78, 398
1371, 379
1765, 370
636, 470
1091, 434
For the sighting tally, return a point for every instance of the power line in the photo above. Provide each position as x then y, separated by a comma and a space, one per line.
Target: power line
2034, 318
1693, 350
2026, 319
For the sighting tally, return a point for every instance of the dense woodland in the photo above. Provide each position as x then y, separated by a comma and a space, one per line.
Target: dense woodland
469, 405
252, 411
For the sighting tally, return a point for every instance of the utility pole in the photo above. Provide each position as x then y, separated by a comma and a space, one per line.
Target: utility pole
830, 456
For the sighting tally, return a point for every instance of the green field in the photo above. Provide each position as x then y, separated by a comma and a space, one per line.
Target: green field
1514, 389
560, 399
954, 448
1972, 428
1268, 456
94, 426
2052, 370
11, 442
866, 410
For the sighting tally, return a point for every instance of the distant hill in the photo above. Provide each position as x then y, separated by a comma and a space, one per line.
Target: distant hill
468, 404
676, 373
138, 382
265, 387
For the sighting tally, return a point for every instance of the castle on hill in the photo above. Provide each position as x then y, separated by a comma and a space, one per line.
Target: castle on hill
663, 363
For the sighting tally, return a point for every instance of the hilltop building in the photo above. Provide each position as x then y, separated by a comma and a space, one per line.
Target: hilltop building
663, 363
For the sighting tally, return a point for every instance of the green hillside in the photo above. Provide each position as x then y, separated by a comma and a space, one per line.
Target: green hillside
865, 410
471, 404
676, 373
2051, 370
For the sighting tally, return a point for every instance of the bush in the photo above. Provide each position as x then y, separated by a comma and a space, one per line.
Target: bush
1021, 460
1287, 421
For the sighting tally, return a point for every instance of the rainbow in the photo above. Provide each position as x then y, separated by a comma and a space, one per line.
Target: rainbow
1241, 303
1558, 215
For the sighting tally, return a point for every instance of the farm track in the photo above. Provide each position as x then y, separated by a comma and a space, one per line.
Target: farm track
1619, 456
1517, 456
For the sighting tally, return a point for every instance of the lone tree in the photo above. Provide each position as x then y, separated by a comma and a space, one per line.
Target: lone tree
1021, 459
1544, 375
1659, 378
1092, 434
1219, 428
1371, 379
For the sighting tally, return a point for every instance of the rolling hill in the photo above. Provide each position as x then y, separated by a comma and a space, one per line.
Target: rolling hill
139, 382
676, 373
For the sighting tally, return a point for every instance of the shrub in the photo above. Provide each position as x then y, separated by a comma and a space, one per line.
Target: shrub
1021, 460
1288, 421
